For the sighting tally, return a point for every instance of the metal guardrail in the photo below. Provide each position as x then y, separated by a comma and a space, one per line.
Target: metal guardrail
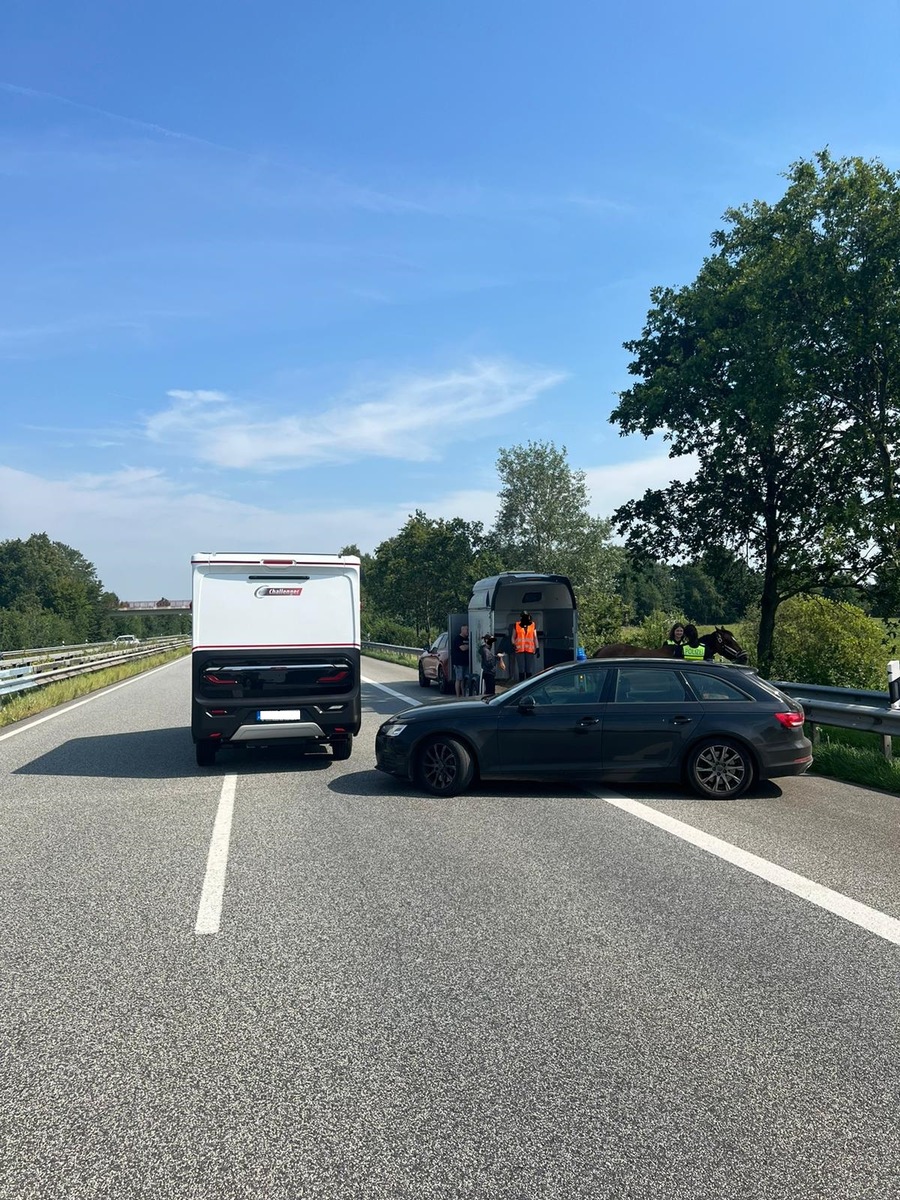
846, 708
391, 649
22, 670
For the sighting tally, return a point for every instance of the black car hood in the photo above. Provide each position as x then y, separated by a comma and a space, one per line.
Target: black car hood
452, 709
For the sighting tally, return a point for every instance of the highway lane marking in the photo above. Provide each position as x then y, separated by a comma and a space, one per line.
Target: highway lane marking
209, 912
871, 919
57, 712
399, 695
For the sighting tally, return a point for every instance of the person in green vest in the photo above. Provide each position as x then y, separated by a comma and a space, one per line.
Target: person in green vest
693, 649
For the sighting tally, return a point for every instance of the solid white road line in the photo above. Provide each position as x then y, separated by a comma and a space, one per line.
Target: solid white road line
209, 912
399, 695
58, 712
867, 918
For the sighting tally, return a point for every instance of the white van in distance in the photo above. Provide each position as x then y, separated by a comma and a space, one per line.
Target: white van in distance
275, 651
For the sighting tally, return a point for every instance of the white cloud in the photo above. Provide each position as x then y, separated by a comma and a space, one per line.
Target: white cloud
415, 418
614, 485
139, 528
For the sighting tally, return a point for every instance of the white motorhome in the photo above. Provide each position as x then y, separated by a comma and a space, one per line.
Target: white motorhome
275, 658
496, 603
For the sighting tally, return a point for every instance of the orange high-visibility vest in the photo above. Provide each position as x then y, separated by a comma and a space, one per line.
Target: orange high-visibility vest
525, 638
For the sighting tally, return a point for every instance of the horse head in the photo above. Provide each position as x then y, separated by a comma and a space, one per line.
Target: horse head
725, 643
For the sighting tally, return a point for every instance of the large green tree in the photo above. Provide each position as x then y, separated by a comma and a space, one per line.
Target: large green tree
425, 571
543, 520
779, 368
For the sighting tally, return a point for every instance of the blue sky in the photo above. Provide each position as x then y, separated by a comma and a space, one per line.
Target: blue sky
275, 275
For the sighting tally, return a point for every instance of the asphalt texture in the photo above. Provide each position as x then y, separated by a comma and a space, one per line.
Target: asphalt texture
521, 992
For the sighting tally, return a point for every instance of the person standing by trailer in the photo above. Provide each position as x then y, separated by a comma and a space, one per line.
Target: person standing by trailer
489, 659
459, 660
525, 646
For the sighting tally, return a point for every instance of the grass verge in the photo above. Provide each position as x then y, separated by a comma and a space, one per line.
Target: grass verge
405, 660
31, 703
855, 757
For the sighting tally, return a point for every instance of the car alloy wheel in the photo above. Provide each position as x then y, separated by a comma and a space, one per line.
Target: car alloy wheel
444, 767
720, 769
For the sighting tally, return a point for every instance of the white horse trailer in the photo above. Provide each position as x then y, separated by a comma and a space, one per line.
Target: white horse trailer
496, 603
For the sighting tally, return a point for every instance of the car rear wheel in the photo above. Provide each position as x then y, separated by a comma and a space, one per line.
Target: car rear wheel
720, 769
444, 767
206, 753
424, 681
342, 748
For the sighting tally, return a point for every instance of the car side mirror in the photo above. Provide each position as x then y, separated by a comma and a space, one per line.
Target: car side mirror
527, 704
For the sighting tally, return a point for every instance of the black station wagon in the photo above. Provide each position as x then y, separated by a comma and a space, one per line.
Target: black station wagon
717, 727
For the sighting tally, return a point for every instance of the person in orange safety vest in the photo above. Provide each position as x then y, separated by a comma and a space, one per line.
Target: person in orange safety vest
525, 645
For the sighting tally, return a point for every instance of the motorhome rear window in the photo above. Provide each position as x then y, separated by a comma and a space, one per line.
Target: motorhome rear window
531, 597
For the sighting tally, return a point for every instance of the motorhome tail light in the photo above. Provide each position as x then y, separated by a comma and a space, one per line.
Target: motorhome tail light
337, 677
210, 678
278, 562
790, 720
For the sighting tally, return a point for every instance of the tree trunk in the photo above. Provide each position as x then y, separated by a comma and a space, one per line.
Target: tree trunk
770, 598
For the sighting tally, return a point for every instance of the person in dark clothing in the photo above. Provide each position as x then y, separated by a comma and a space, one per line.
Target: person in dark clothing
459, 660
489, 659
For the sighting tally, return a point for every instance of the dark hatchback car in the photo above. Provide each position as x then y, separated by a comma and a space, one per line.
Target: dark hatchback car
717, 727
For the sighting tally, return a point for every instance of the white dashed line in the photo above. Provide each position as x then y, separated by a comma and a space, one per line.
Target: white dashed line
399, 695
871, 919
209, 914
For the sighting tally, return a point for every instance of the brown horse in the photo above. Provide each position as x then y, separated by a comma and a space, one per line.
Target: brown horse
720, 641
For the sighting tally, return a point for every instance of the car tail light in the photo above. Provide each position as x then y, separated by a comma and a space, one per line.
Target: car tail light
336, 678
790, 720
224, 682
217, 712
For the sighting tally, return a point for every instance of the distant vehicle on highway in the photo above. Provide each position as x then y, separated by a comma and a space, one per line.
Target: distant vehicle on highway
717, 727
127, 639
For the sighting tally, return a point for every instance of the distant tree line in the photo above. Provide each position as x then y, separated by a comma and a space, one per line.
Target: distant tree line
50, 595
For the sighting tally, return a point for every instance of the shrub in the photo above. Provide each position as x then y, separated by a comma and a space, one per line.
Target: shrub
827, 642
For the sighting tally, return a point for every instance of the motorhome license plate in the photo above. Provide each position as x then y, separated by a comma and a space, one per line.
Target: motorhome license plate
280, 714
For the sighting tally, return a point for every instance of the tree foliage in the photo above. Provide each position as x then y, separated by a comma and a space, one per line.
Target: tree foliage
828, 642
779, 367
49, 594
425, 572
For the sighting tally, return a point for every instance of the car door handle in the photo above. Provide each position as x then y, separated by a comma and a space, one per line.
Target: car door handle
589, 721
682, 720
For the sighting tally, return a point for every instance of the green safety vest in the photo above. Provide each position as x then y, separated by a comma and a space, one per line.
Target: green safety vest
694, 652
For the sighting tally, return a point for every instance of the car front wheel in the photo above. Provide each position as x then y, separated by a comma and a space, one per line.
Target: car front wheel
444, 767
424, 681
443, 687
720, 769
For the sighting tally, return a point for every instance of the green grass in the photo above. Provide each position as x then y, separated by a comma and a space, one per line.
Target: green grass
404, 660
855, 757
29, 704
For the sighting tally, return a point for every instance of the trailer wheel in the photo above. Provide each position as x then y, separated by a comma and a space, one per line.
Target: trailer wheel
206, 752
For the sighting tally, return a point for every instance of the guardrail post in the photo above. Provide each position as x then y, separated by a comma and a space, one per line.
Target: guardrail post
887, 746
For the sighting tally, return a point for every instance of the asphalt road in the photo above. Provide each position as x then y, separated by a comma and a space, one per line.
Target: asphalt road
522, 992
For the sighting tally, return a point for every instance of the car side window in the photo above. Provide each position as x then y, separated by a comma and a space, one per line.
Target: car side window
571, 687
440, 643
648, 686
709, 687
